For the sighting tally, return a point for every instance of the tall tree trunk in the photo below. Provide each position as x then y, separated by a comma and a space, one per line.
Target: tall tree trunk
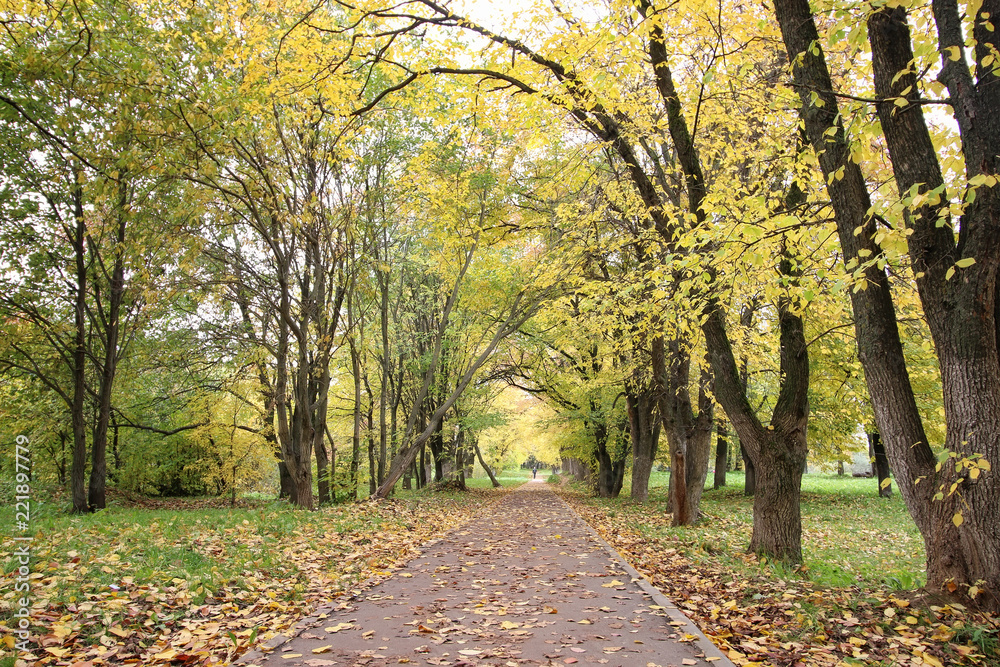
605, 478
317, 415
372, 482
721, 454
322, 471
371, 442
778, 451
356, 433
438, 450
460, 456
961, 535
422, 468
689, 435
641, 405
78, 236
110, 321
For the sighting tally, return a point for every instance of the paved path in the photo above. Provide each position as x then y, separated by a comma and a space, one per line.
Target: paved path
526, 583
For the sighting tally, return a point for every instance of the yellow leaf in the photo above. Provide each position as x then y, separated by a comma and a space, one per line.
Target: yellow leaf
509, 625
322, 649
958, 519
339, 627
931, 660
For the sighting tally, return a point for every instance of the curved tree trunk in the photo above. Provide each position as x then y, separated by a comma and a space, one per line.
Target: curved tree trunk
493, 479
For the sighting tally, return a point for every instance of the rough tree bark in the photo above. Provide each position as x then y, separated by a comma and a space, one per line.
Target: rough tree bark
688, 434
750, 474
960, 529
778, 450
640, 400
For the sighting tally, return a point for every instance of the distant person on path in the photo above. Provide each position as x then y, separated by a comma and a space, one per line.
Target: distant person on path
534, 471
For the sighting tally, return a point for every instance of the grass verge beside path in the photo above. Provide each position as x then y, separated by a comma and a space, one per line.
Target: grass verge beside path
196, 585
847, 606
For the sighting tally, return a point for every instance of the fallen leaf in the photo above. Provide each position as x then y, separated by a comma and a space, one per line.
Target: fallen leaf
339, 627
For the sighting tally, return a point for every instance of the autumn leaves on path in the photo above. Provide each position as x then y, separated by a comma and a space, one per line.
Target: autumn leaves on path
526, 583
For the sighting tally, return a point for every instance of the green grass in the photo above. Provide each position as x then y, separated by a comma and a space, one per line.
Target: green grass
850, 535
152, 570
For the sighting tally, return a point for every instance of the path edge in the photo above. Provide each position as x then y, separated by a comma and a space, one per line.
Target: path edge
708, 648
312, 620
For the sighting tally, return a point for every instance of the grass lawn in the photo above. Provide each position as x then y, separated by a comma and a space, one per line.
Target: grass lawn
851, 603
156, 581
850, 536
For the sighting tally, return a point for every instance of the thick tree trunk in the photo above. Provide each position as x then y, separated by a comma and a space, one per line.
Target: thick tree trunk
689, 435
721, 454
779, 450
777, 522
960, 529
641, 404
604, 484
699, 448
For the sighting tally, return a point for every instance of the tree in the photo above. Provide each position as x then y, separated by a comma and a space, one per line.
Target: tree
953, 246
90, 202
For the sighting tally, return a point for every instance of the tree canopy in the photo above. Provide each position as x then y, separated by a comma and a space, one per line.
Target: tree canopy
309, 245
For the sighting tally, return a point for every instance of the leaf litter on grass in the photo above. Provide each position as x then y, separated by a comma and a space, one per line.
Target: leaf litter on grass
173, 585
760, 619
